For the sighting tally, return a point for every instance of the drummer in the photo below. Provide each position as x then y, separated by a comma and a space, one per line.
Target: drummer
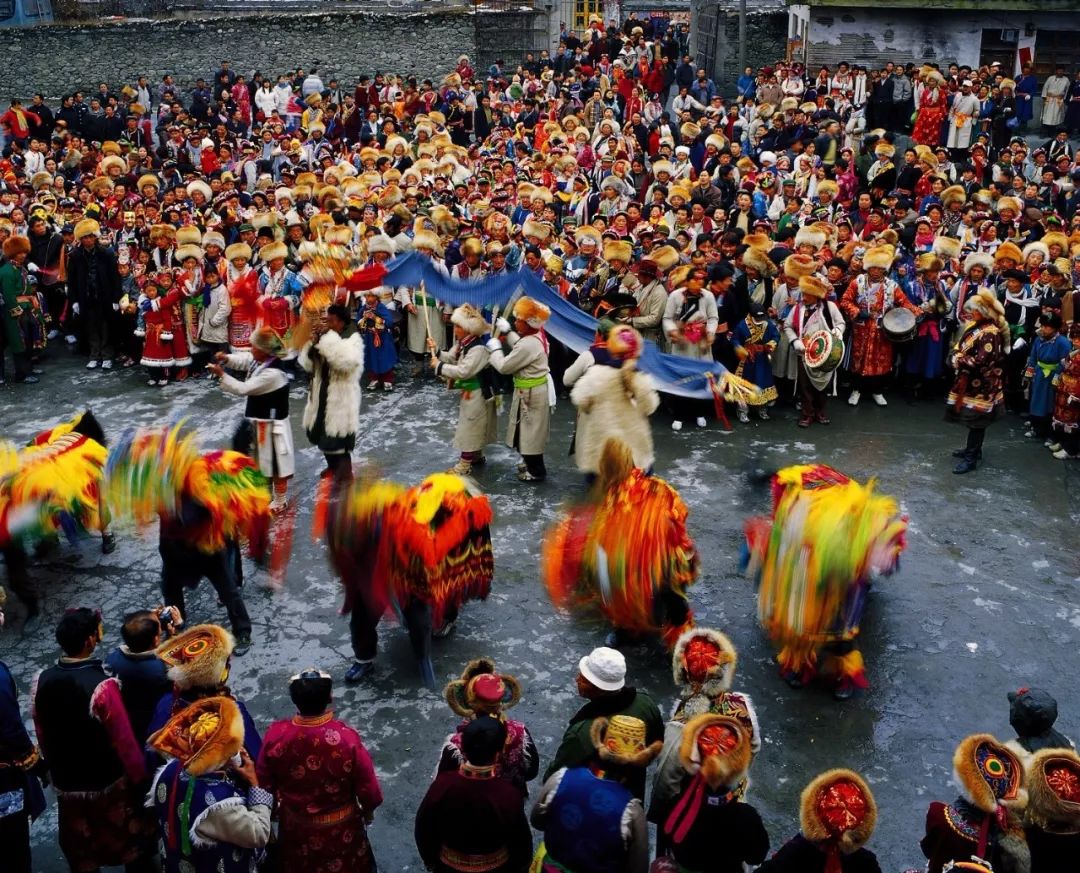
867, 299
814, 314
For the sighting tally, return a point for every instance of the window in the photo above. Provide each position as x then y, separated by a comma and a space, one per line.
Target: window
994, 48
583, 11
1055, 48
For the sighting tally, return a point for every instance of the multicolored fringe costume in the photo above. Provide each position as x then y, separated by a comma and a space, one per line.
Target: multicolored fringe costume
814, 559
53, 485
153, 473
627, 555
397, 549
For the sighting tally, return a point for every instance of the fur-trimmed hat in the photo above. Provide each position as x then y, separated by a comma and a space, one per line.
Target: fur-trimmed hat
758, 241
757, 259
705, 652
1053, 785
717, 747
811, 236
665, 257
532, 312
947, 247
426, 239
480, 690
470, 319
198, 657
988, 774
148, 179
828, 186
203, 736
86, 227
188, 251
1036, 247
1008, 250
100, 186
380, 242
273, 250
814, 286
588, 233
797, 266
953, 194
618, 250
541, 230
978, 259
929, 262
1056, 238
1012, 203
838, 810
213, 238
238, 250
884, 149
621, 741
110, 162
162, 231
879, 256
188, 235
16, 245
689, 132
200, 186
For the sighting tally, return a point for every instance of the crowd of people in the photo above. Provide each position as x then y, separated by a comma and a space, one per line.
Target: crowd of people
877, 232
153, 758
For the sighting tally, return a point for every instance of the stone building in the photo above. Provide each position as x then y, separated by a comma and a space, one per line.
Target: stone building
971, 32
714, 37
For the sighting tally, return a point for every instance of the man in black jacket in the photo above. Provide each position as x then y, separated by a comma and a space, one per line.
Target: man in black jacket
94, 291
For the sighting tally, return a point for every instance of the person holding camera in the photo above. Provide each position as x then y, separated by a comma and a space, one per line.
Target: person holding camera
137, 667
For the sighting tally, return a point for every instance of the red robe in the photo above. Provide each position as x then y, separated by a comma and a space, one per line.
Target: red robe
931, 115
871, 351
325, 786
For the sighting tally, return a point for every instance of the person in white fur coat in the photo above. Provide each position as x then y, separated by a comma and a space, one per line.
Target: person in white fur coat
335, 359
615, 400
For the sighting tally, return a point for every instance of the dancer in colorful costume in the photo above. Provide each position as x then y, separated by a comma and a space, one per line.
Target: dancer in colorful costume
49, 486
207, 504
627, 552
814, 558
425, 552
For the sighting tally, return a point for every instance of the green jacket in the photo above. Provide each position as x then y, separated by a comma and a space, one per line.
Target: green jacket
13, 285
576, 748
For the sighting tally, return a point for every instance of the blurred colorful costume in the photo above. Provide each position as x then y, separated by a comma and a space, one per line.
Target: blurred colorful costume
814, 559
424, 552
626, 553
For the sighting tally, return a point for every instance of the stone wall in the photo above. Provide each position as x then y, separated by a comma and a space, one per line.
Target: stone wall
58, 59
714, 32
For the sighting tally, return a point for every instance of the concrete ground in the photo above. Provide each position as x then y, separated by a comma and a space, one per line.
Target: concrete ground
985, 601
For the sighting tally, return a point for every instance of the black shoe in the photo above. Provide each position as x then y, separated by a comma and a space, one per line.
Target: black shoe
359, 671
108, 543
612, 640
969, 463
243, 645
844, 689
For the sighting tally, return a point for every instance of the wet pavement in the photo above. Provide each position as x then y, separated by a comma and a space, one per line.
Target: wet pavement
985, 600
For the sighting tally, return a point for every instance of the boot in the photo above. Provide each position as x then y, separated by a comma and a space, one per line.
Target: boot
960, 453
968, 463
427, 673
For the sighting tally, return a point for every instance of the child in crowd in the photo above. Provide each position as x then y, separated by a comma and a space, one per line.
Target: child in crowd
755, 339
380, 356
214, 317
1047, 352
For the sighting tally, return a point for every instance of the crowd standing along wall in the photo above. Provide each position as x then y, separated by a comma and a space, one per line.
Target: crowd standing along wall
56, 60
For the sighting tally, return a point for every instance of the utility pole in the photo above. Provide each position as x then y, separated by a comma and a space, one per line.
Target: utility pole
742, 38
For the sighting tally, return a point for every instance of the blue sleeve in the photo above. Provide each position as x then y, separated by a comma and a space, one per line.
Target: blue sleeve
15, 742
1034, 356
252, 738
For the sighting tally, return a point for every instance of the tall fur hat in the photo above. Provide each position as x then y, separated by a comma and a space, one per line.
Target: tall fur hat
665, 257
832, 791
828, 186
480, 690
728, 766
198, 657
202, 736
1056, 238
928, 262
953, 194
947, 247
811, 236
273, 250
425, 239
16, 245
86, 227
238, 250
884, 149
618, 250
1012, 203
988, 774
1053, 787
814, 286
1033, 247
532, 312
200, 186
162, 231
757, 259
188, 251
472, 246
797, 266
100, 186
662, 166
338, 235
188, 235
1008, 250
539, 229
720, 666
588, 233
380, 242
758, 241
978, 259
470, 320
110, 162
621, 741
879, 256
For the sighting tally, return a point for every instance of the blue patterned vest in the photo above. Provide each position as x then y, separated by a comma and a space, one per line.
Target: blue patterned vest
179, 800
584, 830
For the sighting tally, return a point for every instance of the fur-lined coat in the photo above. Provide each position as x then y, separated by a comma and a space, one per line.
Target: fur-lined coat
614, 404
332, 412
